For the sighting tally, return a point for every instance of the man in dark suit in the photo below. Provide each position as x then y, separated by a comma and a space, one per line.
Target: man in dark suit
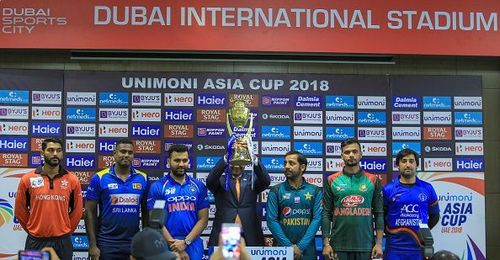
238, 204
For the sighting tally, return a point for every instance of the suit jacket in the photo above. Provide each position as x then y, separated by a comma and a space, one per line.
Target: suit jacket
227, 205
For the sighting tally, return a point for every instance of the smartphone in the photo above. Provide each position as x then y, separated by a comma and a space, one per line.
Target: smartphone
231, 236
33, 255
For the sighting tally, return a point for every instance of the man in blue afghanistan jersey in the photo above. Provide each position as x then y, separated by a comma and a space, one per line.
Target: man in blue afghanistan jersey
186, 205
294, 209
120, 192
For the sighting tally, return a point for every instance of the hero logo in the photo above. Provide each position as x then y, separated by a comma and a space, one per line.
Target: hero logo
80, 146
468, 102
73, 161
406, 133
351, 201
113, 114
405, 118
46, 129
374, 134
46, 97
470, 164
14, 112
339, 102
211, 100
468, 148
468, 133
315, 164
373, 165
369, 102
308, 133
14, 128
437, 118
316, 179
179, 99
438, 164
308, 117
437, 102
125, 199
340, 117
333, 149
145, 130
81, 98
113, 130
374, 149
146, 114
179, 115
334, 164
46, 113
19, 144
146, 99
80, 130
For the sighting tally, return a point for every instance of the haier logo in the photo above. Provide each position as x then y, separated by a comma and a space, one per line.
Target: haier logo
46, 97
468, 133
339, 133
369, 102
80, 161
46, 129
468, 103
107, 146
309, 148
334, 164
179, 99
80, 146
406, 102
113, 130
462, 148
405, 118
308, 132
275, 101
113, 99
340, 117
371, 118
372, 133
13, 144
314, 165
437, 103
308, 117
146, 162
374, 149
210, 131
81, 98
146, 114
469, 164
275, 132
146, 99
152, 131
398, 146
438, 164
178, 115
468, 118
308, 102
80, 130
373, 165
340, 102
17, 97
46, 113
14, 112
80, 114
14, 128
332, 149
204, 163
273, 164
218, 100
406, 133
275, 148
437, 118
113, 114
437, 149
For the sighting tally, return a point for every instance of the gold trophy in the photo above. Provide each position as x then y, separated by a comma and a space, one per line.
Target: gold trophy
238, 144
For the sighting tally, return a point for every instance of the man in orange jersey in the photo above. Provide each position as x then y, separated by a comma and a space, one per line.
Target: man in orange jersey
49, 203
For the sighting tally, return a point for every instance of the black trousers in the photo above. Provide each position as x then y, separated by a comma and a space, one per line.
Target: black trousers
62, 245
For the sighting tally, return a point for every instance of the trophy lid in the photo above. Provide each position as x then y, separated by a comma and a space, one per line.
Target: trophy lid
239, 114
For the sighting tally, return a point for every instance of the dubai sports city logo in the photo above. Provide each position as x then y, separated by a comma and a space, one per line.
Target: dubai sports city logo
6, 212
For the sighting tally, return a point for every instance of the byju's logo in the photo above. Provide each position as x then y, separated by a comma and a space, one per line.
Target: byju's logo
332, 149
46, 97
205, 163
17, 97
372, 133
308, 117
405, 118
74, 114
146, 99
339, 133
398, 146
113, 99
46, 129
371, 118
468, 118
468, 133
218, 100
273, 164
275, 132
113, 114
406, 102
340, 102
309, 148
80, 130
469, 164
14, 112
437, 103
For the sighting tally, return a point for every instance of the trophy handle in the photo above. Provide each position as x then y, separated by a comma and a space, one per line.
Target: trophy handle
229, 131
250, 126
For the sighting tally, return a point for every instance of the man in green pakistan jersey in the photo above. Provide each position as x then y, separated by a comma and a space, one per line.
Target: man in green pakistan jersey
294, 209
352, 201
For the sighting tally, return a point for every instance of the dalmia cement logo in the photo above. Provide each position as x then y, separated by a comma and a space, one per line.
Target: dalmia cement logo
6, 212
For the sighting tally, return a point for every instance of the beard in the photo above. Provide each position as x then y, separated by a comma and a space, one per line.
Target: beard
53, 162
178, 172
292, 175
351, 163
407, 174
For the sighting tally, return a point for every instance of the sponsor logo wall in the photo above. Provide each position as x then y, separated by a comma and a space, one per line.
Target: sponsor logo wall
311, 114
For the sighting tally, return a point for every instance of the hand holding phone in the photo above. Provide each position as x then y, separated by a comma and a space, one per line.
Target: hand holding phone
33, 255
231, 236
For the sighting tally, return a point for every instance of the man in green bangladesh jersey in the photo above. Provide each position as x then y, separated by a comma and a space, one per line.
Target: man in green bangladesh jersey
352, 201
294, 209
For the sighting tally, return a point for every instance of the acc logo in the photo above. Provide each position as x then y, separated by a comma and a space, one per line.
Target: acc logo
287, 212
410, 208
422, 196
352, 201
6, 212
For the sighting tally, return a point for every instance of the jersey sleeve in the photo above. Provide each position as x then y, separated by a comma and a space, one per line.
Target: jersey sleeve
202, 201
153, 194
94, 188
21, 204
327, 218
433, 201
272, 218
378, 206
315, 223
77, 207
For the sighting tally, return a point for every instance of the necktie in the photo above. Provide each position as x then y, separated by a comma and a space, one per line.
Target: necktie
237, 188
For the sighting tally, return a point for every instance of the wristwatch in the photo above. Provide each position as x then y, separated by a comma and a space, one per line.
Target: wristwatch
187, 241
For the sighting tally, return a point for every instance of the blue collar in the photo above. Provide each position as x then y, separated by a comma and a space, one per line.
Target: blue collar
170, 178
